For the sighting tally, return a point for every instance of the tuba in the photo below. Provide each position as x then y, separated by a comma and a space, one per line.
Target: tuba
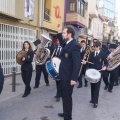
43, 52
114, 62
19, 57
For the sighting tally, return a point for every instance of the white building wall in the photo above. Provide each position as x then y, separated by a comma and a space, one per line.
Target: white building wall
11, 41
8, 7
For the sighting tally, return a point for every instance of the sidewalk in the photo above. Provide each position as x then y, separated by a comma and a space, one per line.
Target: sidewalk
7, 88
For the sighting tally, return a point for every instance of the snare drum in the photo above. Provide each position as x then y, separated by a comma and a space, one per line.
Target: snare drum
92, 75
52, 67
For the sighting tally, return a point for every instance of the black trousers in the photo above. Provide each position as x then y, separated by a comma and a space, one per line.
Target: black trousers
39, 69
95, 88
82, 73
67, 91
117, 75
105, 77
113, 78
58, 86
26, 77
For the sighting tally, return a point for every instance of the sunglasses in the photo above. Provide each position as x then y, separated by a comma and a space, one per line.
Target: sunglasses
96, 46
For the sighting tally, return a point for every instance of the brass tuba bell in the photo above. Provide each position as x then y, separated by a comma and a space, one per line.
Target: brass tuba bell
42, 57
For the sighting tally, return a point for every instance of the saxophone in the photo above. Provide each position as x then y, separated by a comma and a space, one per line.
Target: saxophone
87, 53
114, 59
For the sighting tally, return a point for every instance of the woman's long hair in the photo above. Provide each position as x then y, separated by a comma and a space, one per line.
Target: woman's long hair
30, 48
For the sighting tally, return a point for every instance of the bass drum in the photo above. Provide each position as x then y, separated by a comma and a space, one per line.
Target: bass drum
52, 67
92, 75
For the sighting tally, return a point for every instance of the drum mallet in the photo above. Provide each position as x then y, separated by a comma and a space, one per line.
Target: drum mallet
53, 53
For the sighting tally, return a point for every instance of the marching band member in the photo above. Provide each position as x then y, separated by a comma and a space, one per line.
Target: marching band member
97, 58
113, 74
27, 68
69, 68
58, 84
82, 52
39, 70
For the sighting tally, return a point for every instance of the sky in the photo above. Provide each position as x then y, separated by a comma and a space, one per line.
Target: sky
118, 13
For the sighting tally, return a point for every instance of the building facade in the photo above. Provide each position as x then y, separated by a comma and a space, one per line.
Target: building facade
75, 14
52, 14
18, 23
107, 8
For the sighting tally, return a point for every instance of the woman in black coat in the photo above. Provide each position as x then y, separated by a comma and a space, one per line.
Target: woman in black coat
27, 68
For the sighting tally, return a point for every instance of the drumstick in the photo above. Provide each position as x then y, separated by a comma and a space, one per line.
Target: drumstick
53, 53
51, 18
89, 62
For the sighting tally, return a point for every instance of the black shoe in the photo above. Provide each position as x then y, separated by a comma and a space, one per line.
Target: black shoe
91, 101
47, 84
25, 95
55, 96
95, 106
36, 87
61, 114
86, 85
57, 99
79, 86
116, 84
106, 87
109, 90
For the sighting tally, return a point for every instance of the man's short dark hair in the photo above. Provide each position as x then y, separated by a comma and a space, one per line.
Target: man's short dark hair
70, 29
83, 41
97, 43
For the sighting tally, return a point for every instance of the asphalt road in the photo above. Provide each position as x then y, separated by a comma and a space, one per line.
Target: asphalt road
41, 104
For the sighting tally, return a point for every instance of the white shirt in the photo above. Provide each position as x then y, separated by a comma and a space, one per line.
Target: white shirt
58, 49
83, 48
97, 52
69, 41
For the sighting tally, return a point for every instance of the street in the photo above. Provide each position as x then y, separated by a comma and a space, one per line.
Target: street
41, 104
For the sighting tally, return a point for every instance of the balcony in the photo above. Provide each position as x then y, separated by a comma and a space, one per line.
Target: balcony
93, 14
93, 9
76, 19
10, 17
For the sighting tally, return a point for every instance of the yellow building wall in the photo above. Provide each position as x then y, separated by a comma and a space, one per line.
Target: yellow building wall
19, 12
56, 14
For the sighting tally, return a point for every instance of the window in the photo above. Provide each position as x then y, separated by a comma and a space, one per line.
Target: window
72, 7
81, 7
90, 22
47, 14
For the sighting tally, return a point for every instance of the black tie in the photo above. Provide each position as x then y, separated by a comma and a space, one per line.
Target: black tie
82, 49
58, 51
96, 53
